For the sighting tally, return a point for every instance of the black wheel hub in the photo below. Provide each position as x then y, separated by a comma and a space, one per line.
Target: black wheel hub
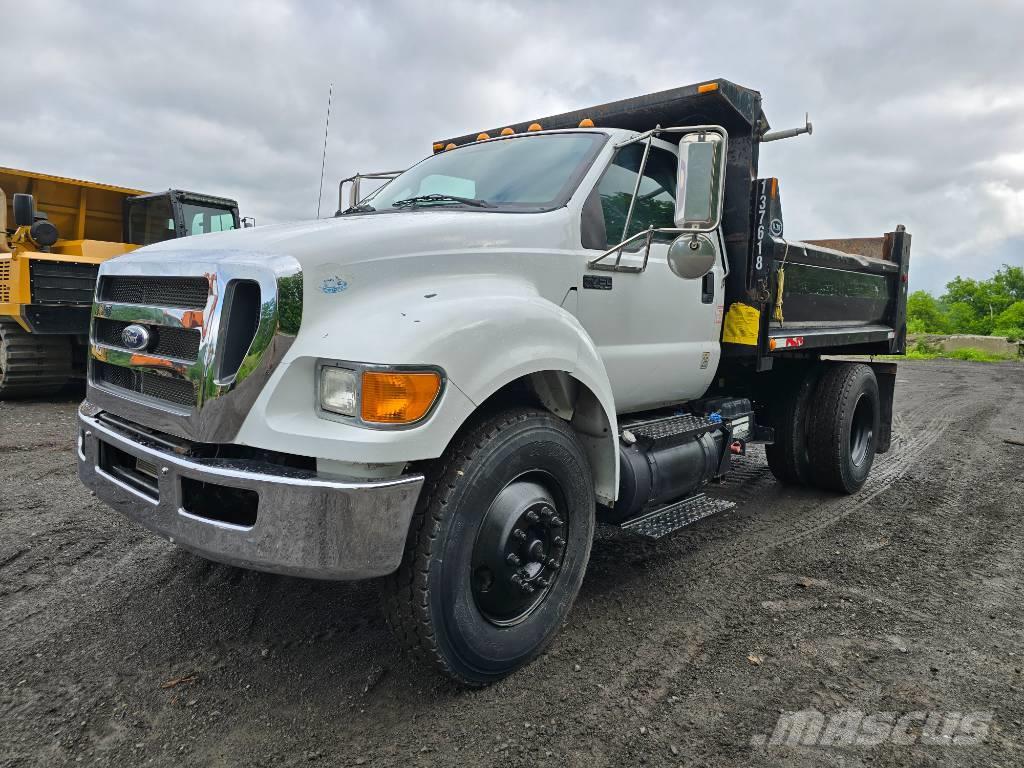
519, 551
861, 431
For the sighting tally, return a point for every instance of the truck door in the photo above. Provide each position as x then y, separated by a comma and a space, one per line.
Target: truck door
656, 333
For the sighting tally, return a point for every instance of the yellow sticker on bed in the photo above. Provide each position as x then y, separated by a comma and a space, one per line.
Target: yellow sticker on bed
741, 325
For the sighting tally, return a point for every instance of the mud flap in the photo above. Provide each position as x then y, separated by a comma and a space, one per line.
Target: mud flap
886, 375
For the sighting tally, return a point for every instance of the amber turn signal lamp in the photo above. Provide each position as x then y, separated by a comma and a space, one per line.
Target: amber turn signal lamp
398, 397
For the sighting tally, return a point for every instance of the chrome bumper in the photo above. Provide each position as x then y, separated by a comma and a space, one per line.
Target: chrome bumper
304, 525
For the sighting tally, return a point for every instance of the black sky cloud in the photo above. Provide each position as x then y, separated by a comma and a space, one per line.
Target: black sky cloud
918, 106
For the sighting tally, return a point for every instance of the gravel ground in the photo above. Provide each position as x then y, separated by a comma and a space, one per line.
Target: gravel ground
118, 649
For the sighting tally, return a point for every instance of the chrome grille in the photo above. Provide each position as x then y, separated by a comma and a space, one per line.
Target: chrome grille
177, 343
181, 292
219, 324
163, 387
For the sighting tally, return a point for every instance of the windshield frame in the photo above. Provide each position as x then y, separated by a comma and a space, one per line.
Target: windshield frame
569, 188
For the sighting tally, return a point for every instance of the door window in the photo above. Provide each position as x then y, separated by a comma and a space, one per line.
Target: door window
655, 204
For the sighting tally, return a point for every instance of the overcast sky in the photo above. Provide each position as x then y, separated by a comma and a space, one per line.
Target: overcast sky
918, 107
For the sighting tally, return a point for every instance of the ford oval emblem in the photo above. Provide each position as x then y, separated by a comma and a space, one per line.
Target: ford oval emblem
135, 337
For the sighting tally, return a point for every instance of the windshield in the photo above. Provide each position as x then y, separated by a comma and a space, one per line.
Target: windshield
522, 173
200, 219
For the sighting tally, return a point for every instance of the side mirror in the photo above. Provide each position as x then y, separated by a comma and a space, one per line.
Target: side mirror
691, 256
24, 209
248, 221
700, 181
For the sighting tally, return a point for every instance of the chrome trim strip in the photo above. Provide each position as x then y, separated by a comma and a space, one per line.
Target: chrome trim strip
171, 317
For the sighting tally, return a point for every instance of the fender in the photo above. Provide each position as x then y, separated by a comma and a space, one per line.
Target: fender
484, 331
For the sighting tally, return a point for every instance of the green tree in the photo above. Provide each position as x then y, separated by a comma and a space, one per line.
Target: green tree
961, 317
1010, 322
924, 314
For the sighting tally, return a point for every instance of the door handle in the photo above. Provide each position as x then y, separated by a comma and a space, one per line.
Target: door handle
707, 288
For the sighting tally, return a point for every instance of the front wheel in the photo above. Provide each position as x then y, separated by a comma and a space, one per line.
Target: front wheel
497, 548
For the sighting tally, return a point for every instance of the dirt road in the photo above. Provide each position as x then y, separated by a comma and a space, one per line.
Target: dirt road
118, 649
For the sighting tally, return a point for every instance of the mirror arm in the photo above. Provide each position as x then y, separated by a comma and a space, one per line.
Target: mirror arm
648, 236
636, 186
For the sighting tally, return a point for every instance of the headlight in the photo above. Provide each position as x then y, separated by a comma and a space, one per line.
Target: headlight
374, 395
338, 390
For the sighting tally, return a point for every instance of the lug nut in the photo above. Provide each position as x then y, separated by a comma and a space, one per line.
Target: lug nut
559, 541
547, 512
515, 579
519, 533
556, 521
542, 582
512, 559
527, 588
532, 516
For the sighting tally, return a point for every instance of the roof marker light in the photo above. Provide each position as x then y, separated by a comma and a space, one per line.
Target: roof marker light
707, 88
507, 132
438, 146
482, 137
534, 127
450, 146
586, 122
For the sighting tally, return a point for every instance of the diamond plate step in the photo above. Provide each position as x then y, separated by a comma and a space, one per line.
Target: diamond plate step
664, 520
670, 427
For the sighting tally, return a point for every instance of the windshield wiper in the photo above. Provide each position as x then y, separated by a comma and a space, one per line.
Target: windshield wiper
437, 198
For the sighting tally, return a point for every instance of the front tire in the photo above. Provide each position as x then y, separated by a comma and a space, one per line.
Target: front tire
497, 547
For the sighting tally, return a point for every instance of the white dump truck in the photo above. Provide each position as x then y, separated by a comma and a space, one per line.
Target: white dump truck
575, 320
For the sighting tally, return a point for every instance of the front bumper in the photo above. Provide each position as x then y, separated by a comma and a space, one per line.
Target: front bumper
305, 525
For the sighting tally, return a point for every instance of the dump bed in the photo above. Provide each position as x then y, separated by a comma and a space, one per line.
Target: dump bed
81, 210
840, 295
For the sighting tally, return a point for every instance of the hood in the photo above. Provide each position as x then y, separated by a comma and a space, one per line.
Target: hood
358, 238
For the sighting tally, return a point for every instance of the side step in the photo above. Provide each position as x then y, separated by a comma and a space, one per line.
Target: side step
671, 517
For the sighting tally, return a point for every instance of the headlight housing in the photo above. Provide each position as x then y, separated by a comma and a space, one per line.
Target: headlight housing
377, 395
339, 390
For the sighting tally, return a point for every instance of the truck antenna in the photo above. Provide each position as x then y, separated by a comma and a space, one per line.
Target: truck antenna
789, 133
323, 161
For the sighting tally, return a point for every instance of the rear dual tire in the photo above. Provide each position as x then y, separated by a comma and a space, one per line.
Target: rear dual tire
826, 428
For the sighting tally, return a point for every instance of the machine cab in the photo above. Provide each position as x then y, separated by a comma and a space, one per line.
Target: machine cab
176, 213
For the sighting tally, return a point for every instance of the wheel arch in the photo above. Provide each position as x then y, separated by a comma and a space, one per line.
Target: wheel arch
575, 399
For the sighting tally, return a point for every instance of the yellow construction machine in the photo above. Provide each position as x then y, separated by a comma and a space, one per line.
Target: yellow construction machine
54, 233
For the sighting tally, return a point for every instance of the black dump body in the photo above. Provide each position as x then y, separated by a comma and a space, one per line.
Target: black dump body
782, 296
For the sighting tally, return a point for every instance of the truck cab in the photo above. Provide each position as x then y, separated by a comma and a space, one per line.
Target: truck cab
576, 320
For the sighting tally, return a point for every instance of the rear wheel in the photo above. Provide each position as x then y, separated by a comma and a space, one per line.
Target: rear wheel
844, 426
497, 548
788, 458
32, 365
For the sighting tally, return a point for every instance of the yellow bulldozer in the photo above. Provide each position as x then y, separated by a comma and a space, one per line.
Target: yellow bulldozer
54, 234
